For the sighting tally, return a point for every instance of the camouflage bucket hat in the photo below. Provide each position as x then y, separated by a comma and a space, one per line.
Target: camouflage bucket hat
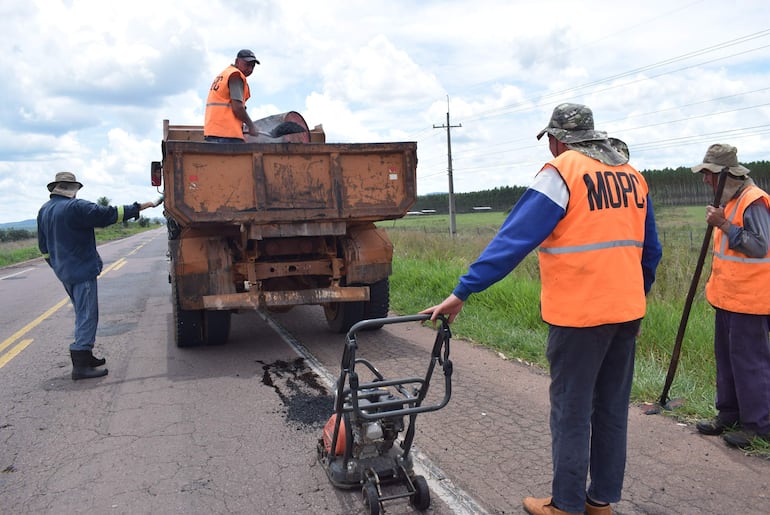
720, 156
572, 123
609, 153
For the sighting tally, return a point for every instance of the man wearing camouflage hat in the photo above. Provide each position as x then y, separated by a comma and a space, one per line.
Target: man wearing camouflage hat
737, 289
590, 214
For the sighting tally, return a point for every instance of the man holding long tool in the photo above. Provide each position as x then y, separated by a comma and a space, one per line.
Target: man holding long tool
738, 289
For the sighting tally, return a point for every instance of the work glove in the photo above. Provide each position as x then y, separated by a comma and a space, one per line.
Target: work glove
131, 211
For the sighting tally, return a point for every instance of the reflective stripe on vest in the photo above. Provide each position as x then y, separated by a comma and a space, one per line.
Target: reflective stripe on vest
219, 117
593, 246
736, 279
590, 264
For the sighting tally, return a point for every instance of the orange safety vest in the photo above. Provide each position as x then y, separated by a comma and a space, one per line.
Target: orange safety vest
737, 282
590, 264
219, 118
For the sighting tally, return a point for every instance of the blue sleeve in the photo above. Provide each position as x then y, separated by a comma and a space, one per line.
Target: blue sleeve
652, 250
752, 238
42, 242
530, 222
94, 215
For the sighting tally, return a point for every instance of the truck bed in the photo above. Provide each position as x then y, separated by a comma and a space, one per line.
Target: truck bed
285, 183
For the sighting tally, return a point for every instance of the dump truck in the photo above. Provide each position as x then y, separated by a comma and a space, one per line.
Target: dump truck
281, 220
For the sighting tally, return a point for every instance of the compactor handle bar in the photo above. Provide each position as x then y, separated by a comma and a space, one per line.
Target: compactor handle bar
439, 355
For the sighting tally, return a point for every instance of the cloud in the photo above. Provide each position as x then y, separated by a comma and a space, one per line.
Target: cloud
89, 83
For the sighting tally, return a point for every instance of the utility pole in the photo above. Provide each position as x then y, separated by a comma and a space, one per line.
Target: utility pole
448, 127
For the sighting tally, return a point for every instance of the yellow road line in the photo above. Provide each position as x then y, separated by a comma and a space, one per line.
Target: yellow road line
14, 351
117, 264
24, 330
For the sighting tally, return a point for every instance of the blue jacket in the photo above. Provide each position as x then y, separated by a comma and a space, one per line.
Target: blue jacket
65, 235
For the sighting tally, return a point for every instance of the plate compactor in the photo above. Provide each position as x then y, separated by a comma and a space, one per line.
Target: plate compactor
359, 447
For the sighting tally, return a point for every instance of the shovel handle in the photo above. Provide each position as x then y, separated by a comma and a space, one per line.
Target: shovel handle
674, 363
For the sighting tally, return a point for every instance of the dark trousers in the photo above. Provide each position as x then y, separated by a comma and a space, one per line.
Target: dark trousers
742, 352
591, 373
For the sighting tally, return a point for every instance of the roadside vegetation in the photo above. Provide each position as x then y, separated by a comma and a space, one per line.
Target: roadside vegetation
17, 245
506, 318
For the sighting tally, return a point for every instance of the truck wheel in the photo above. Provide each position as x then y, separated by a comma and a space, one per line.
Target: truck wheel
379, 302
189, 325
216, 327
340, 316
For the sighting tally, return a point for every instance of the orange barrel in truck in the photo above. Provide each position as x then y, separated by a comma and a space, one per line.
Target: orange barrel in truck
273, 225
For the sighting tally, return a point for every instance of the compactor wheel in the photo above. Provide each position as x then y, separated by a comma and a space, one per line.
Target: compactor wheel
371, 498
420, 499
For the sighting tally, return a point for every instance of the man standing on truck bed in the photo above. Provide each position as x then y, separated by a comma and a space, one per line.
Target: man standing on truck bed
226, 103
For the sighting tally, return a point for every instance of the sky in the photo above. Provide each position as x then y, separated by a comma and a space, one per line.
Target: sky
88, 83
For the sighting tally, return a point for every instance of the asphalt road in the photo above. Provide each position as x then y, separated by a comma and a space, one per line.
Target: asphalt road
233, 429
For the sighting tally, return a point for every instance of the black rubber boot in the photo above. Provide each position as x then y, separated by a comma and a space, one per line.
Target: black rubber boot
96, 362
81, 365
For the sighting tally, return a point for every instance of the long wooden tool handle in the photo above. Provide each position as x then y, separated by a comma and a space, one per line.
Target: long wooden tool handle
672, 366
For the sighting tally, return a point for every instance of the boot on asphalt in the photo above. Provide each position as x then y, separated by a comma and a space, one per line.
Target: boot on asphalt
81, 365
592, 509
543, 506
96, 362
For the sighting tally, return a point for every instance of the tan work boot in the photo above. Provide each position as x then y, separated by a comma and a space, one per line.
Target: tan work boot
598, 510
535, 506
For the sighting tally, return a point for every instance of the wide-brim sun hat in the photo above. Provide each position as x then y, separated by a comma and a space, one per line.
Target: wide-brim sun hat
720, 156
65, 184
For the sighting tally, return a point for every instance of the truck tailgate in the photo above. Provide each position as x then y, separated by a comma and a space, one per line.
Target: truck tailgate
259, 183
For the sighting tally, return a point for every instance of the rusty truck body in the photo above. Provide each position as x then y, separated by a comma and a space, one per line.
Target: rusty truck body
278, 224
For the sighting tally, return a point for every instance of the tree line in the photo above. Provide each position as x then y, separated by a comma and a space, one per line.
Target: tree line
668, 187
13, 234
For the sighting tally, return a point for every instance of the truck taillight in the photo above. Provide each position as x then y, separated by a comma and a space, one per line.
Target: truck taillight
156, 173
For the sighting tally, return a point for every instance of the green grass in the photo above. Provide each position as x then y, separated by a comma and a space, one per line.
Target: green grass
506, 318
17, 252
9, 256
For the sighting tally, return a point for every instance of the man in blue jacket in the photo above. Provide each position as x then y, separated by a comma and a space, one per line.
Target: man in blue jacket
65, 234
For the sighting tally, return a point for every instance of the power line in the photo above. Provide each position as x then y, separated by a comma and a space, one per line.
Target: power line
527, 104
736, 133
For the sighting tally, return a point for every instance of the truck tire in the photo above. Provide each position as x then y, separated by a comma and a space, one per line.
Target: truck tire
216, 327
188, 324
340, 316
379, 302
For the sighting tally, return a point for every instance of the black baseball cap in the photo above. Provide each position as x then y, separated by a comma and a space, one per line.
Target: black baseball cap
247, 55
